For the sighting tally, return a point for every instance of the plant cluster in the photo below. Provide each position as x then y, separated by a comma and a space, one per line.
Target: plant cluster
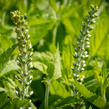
24, 59
45, 71
81, 52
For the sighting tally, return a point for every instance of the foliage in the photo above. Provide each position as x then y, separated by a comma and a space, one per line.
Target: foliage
54, 27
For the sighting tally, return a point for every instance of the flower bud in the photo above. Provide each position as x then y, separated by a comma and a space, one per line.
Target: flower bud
72, 68
75, 55
82, 69
31, 93
74, 63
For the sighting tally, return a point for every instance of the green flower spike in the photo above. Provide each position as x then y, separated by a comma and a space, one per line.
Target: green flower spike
25, 55
81, 52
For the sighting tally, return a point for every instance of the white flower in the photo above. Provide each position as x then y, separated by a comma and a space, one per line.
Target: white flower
30, 65
30, 46
31, 92
30, 77
28, 36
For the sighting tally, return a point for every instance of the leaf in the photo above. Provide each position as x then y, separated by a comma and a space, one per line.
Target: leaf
56, 101
53, 5
9, 85
42, 4
3, 99
57, 65
41, 30
3, 89
41, 67
11, 65
38, 90
90, 96
16, 104
48, 63
5, 39
91, 83
67, 59
5, 56
59, 89
60, 35
67, 101
100, 39
42, 56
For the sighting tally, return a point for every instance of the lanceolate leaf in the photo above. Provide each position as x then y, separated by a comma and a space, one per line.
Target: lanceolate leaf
4, 57
40, 66
3, 89
53, 5
57, 65
57, 88
90, 96
11, 65
68, 101
3, 99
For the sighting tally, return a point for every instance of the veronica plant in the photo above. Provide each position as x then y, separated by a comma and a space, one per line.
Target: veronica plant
81, 52
24, 57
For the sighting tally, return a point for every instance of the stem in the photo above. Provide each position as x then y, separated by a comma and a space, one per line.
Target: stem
54, 35
103, 93
46, 95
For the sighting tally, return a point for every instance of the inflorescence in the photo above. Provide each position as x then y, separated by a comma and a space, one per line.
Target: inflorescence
81, 52
24, 59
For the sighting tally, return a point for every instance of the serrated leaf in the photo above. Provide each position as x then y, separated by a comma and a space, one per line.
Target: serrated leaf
48, 63
57, 65
16, 103
41, 67
67, 101
42, 56
11, 65
4, 57
90, 96
59, 89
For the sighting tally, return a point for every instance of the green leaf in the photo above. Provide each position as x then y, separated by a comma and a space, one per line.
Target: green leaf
11, 65
3, 99
16, 104
41, 30
3, 89
5, 39
100, 39
5, 56
38, 91
67, 101
42, 56
57, 65
48, 63
59, 89
9, 85
41, 67
90, 96
53, 5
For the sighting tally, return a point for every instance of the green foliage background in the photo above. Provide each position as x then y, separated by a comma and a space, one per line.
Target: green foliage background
54, 26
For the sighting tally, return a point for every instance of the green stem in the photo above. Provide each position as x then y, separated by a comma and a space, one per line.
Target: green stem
46, 95
103, 94
54, 35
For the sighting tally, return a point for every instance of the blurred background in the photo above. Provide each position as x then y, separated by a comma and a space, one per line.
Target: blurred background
55, 23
